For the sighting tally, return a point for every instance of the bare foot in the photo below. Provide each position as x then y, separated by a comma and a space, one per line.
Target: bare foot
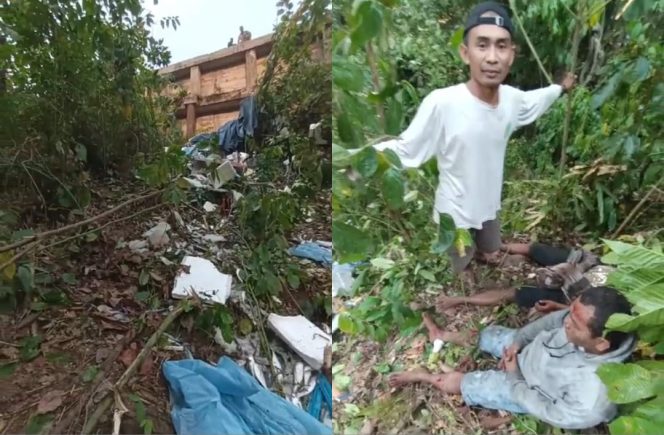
492, 259
434, 331
444, 302
397, 380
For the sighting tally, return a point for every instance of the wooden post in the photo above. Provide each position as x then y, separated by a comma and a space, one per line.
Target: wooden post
192, 99
191, 119
250, 70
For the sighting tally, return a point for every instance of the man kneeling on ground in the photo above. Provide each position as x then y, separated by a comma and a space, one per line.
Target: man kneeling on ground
547, 367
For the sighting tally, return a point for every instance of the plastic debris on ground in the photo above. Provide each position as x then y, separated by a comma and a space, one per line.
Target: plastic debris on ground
313, 251
225, 399
342, 279
157, 235
305, 338
322, 395
201, 276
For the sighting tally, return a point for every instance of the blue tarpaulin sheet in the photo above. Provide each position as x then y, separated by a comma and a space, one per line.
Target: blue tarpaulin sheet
312, 251
225, 399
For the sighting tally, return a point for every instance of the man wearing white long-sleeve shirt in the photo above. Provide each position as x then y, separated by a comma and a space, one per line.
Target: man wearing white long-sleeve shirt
466, 128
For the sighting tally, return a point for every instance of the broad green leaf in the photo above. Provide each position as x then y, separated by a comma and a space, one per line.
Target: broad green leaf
350, 243
90, 373
629, 425
627, 323
6, 370
393, 189
144, 277
429, 276
392, 157
340, 156
394, 116
346, 129
648, 298
347, 75
10, 270
26, 277
632, 255
462, 240
22, 234
39, 424
346, 324
365, 161
382, 263
370, 21
446, 234
457, 38
69, 278
607, 91
626, 382
651, 410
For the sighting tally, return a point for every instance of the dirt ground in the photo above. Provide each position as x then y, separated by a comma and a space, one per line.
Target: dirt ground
58, 360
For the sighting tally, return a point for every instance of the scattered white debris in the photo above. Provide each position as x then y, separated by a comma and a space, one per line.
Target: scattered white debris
194, 183
157, 235
223, 174
138, 246
209, 207
214, 238
203, 278
305, 338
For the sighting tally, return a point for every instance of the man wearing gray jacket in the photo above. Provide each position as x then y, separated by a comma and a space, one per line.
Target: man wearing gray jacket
547, 367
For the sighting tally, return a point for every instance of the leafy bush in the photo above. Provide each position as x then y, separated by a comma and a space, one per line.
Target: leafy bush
80, 92
638, 387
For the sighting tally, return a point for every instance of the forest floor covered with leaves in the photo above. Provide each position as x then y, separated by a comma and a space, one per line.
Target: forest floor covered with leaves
364, 402
111, 291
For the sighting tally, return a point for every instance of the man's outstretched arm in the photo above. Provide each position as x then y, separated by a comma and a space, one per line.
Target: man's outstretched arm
534, 103
419, 142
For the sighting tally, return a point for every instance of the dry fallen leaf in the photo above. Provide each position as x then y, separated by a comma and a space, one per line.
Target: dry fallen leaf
147, 365
128, 355
50, 402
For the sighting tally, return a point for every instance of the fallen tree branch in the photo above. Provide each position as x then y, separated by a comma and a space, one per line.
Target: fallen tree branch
63, 425
66, 228
122, 381
18, 255
635, 210
33, 245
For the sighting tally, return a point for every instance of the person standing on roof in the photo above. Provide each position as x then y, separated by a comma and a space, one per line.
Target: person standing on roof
466, 127
245, 35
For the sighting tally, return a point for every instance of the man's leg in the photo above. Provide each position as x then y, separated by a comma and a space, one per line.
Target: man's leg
448, 382
460, 264
461, 338
489, 242
487, 298
517, 248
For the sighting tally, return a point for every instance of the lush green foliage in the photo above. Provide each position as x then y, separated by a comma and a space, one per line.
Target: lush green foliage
639, 386
582, 168
382, 212
79, 91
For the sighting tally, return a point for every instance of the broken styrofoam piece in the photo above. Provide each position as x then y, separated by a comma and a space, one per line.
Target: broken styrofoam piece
223, 174
157, 235
335, 323
209, 207
194, 183
257, 372
305, 338
204, 279
138, 246
214, 238
342, 279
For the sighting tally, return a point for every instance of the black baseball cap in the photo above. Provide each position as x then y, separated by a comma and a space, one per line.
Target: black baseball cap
475, 17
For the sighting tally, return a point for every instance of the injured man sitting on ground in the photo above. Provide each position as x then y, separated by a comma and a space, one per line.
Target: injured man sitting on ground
547, 368
566, 273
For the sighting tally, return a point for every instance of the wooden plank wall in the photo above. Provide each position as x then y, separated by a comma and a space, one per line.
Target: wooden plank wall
216, 83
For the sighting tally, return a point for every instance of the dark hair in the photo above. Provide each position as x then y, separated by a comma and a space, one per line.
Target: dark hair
606, 301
